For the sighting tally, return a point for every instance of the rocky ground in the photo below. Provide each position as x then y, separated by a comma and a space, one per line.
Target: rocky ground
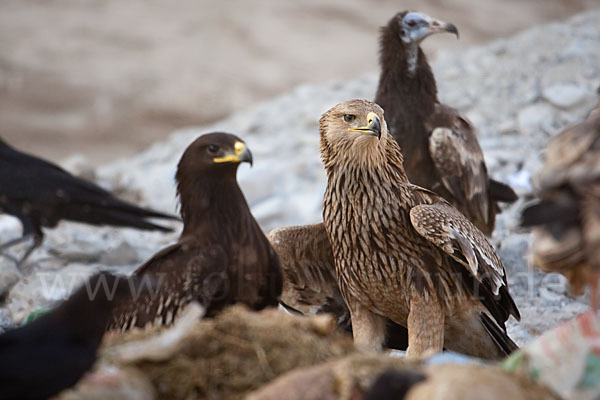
88, 83
517, 91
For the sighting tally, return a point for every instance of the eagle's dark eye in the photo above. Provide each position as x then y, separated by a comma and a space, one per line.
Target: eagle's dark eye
411, 22
349, 117
213, 148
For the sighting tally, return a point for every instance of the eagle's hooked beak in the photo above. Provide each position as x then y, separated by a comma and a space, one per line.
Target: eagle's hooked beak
373, 128
241, 154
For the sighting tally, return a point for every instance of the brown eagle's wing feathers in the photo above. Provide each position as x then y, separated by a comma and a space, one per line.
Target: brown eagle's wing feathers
310, 284
445, 227
567, 213
172, 291
460, 164
573, 156
571, 167
309, 279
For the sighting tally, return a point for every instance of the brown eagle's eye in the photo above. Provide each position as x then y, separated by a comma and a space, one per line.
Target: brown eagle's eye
213, 148
349, 117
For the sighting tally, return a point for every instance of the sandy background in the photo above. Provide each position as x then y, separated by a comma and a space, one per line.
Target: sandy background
107, 77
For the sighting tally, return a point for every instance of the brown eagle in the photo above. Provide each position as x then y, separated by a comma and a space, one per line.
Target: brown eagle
402, 252
441, 151
567, 216
222, 256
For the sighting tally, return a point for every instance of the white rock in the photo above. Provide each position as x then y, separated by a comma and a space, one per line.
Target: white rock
535, 118
5, 321
521, 179
44, 288
9, 275
123, 254
564, 71
79, 166
564, 95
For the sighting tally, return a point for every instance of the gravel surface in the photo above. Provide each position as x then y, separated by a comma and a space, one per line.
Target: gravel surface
88, 83
517, 91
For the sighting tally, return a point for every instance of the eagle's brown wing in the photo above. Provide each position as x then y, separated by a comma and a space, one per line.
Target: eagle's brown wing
310, 285
309, 279
460, 164
449, 230
567, 215
178, 274
572, 157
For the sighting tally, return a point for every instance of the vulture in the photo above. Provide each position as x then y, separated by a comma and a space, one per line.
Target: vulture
222, 256
440, 148
402, 252
52, 353
566, 218
41, 194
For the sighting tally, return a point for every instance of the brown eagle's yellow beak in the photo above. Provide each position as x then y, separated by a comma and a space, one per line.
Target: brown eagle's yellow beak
240, 154
373, 128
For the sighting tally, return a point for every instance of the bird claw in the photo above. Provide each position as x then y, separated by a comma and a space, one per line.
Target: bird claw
20, 262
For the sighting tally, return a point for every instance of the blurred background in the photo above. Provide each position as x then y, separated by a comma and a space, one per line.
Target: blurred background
105, 78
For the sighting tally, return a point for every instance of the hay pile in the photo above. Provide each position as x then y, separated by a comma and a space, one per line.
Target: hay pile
221, 358
271, 355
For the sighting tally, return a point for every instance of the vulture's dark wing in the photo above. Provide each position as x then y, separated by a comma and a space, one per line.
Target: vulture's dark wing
460, 164
179, 274
309, 279
449, 230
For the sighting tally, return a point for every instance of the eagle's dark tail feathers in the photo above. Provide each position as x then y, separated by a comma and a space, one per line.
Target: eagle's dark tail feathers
497, 334
502, 192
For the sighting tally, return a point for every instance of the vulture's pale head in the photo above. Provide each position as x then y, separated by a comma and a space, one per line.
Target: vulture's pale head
352, 131
413, 26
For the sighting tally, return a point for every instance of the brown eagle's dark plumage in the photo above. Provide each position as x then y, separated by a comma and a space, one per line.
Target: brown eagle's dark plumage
567, 216
402, 252
222, 256
440, 149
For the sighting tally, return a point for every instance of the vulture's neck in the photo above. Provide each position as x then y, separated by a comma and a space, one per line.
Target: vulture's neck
407, 90
212, 204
